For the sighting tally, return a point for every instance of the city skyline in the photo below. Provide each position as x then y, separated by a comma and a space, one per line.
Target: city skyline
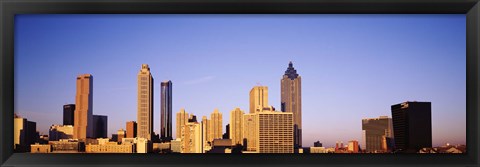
191, 86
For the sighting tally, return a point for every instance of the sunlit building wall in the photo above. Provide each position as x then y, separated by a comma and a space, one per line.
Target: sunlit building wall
250, 132
131, 129
192, 138
275, 132
216, 125
145, 103
57, 132
291, 100
83, 115
374, 130
236, 126
258, 97
181, 119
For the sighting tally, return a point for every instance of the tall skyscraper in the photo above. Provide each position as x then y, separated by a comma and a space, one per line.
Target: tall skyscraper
258, 98
250, 132
68, 114
206, 132
192, 138
166, 111
291, 100
131, 129
236, 126
100, 126
375, 131
275, 132
412, 126
24, 134
83, 118
145, 103
182, 119
216, 125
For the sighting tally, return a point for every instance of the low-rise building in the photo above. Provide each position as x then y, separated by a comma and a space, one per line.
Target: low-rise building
40, 148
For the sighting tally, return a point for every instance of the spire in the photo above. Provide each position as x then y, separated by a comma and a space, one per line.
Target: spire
291, 72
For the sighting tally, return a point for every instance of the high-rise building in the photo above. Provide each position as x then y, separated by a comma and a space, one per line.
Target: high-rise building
100, 126
24, 134
121, 134
131, 129
291, 100
83, 115
374, 131
216, 125
275, 132
412, 126
258, 98
166, 111
250, 132
57, 132
68, 114
145, 103
192, 138
236, 126
353, 146
207, 141
182, 119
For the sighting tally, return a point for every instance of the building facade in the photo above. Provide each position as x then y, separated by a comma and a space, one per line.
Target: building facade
166, 111
69, 114
250, 132
216, 125
258, 98
145, 103
57, 132
100, 126
291, 100
275, 132
207, 141
236, 126
24, 132
83, 115
192, 138
374, 132
412, 126
131, 129
181, 119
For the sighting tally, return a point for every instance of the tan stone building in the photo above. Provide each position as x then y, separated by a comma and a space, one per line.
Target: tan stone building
274, 132
182, 119
83, 119
258, 97
291, 100
249, 132
192, 138
41, 148
216, 125
145, 103
236, 126
57, 132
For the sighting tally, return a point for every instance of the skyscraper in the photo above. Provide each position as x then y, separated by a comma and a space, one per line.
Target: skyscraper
24, 134
275, 132
258, 98
375, 131
68, 114
192, 138
236, 126
145, 103
206, 132
83, 118
216, 125
291, 100
250, 132
166, 110
131, 129
100, 126
182, 119
412, 126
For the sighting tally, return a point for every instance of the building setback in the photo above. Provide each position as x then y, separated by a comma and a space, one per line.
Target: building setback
412, 126
166, 111
83, 115
145, 103
68, 114
291, 100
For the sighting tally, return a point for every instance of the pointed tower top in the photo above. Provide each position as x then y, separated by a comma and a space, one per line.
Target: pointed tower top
290, 64
291, 72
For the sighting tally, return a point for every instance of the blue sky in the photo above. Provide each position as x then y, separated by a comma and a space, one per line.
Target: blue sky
352, 66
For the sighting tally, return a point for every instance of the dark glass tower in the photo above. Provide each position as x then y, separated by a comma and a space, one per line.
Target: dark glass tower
291, 101
68, 114
412, 126
166, 111
100, 126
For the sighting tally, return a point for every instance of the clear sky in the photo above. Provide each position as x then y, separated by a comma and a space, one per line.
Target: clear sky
352, 66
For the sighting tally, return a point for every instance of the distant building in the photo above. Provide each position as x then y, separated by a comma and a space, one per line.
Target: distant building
412, 124
67, 146
258, 98
121, 134
41, 148
250, 132
166, 111
25, 134
216, 125
100, 126
68, 114
318, 150
236, 126
226, 135
176, 145
275, 132
377, 134
317, 144
291, 100
192, 118
83, 115
145, 103
131, 129
192, 138
182, 119
143, 145
57, 132
353, 146
221, 146
206, 134
110, 147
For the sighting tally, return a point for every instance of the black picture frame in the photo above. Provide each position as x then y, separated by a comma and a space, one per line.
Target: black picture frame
9, 8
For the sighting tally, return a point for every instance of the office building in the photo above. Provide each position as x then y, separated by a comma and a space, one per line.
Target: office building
353, 146
24, 132
166, 111
83, 115
145, 103
67, 146
68, 114
110, 147
412, 126
216, 125
207, 141
291, 100
121, 134
40, 148
57, 132
181, 119
258, 98
236, 126
374, 132
315, 149
192, 138
275, 132
131, 129
100, 126
250, 132
176, 145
